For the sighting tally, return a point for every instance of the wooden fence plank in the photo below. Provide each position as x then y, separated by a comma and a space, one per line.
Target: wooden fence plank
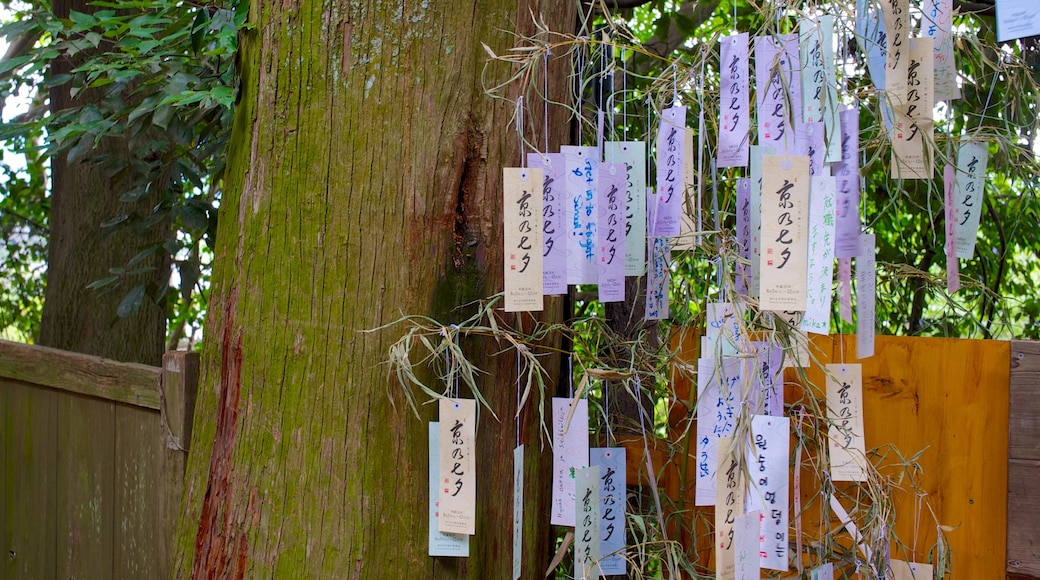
1024, 420
28, 506
86, 502
132, 384
140, 542
1023, 555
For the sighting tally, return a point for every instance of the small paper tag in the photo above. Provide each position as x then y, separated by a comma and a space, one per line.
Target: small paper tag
441, 544
810, 48
768, 460
757, 153
938, 24
809, 143
690, 216
579, 213
522, 206
611, 229
586, 533
903, 570
774, 119
845, 411
518, 511
633, 155
611, 464
831, 122
846, 172
785, 203
747, 540
668, 201
972, 158
866, 288
458, 488
790, 65
554, 248
719, 393
912, 134
820, 266
743, 235
729, 504
722, 325
734, 103
570, 453
870, 32
767, 396
845, 288
896, 16
953, 275
658, 280
824, 572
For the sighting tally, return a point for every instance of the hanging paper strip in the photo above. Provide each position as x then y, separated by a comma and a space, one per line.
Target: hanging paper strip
953, 275
972, 158
757, 153
579, 213
819, 279
845, 411
586, 532
1017, 19
747, 541
633, 155
522, 206
912, 134
790, 65
866, 289
903, 570
734, 102
809, 143
518, 511
774, 118
722, 329
768, 460
847, 225
845, 288
440, 543
458, 489
810, 50
743, 236
554, 249
570, 453
667, 205
831, 121
938, 25
785, 205
767, 388
896, 16
825, 572
729, 504
611, 230
720, 384
658, 279
873, 40
612, 490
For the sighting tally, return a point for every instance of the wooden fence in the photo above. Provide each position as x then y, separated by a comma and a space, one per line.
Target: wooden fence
92, 454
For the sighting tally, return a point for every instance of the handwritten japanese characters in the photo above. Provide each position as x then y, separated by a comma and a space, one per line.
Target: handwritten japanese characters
633, 155
845, 412
913, 130
579, 213
720, 390
729, 505
938, 24
522, 206
972, 157
658, 279
458, 482
667, 205
866, 296
570, 453
896, 16
554, 249
774, 115
611, 232
734, 101
440, 543
518, 511
785, 204
586, 532
846, 172
611, 464
820, 267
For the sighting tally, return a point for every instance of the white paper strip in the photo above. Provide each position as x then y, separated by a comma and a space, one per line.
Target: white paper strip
790, 65
522, 206
767, 388
658, 279
896, 16
440, 543
774, 118
785, 205
586, 533
873, 40
820, 266
611, 232
633, 155
831, 122
912, 134
518, 511
554, 248
972, 158
570, 452
903, 570
845, 411
722, 326
579, 212
809, 143
866, 283
734, 101
1017, 19
720, 385
755, 197
810, 50
938, 24
667, 208
824, 572
612, 490
458, 491
746, 547
768, 460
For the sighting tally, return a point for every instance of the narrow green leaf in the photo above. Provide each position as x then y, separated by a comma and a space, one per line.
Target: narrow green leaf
131, 302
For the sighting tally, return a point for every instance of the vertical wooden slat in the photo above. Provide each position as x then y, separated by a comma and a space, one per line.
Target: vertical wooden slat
139, 537
29, 434
1023, 550
86, 502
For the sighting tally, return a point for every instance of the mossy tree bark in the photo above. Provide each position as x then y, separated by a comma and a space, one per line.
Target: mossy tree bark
83, 196
364, 183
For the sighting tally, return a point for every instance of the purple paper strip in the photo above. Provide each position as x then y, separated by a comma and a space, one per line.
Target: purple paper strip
953, 274
611, 232
743, 234
809, 143
847, 225
667, 206
774, 119
554, 251
734, 107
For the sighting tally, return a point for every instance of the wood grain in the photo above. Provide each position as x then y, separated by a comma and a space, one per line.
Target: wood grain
1023, 553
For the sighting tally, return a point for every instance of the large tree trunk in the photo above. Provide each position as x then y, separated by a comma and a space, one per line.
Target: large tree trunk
364, 184
83, 196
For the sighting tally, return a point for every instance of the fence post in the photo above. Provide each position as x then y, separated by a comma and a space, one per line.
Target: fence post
178, 389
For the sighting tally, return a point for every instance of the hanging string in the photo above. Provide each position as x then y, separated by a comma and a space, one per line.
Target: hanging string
624, 94
545, 99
